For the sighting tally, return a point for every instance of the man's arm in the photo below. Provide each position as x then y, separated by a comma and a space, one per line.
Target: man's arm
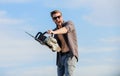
62, 30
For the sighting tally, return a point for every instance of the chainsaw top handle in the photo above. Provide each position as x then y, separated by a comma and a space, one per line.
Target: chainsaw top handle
41, 36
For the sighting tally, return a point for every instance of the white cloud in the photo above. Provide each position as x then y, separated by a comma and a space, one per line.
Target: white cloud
10, 21
4, 20
95, 70
2, 13
100, 60
112, 60
104, 13
33, 71
98, 70
109, 44
98, 49
17, 52
111, 40
100, 12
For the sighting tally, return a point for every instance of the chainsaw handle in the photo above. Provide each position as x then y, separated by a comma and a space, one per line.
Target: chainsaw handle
45, 32
52, 35
37, 35
42, 34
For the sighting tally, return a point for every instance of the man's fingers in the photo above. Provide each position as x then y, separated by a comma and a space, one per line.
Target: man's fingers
49, 31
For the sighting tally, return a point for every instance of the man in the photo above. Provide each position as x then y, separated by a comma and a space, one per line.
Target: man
66, 37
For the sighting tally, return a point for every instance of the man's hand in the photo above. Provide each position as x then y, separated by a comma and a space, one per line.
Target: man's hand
50, 32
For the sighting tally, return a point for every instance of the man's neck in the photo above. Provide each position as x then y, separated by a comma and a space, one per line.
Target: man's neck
59, 26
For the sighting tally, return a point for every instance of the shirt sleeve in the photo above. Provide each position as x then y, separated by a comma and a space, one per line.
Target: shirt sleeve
69, 26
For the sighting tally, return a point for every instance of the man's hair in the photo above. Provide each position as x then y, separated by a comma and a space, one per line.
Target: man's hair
54, 12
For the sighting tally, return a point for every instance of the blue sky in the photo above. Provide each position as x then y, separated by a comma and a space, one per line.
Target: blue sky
97, 23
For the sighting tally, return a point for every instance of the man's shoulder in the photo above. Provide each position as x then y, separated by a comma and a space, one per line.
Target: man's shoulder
69, 21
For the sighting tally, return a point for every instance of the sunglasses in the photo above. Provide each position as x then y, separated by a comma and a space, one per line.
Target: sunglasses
54, 18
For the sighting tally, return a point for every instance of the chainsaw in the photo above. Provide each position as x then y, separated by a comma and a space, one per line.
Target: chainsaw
48, 41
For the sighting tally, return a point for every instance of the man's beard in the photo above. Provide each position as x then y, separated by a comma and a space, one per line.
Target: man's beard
59, 23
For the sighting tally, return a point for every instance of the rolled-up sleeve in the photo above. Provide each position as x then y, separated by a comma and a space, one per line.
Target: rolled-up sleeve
69, 26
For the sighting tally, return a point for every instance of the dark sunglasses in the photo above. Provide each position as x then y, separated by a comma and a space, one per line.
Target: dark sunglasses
54, 18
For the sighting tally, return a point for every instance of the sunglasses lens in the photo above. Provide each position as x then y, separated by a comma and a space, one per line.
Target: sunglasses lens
56, 17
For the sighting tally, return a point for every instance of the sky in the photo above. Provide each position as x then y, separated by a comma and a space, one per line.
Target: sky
97, 23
